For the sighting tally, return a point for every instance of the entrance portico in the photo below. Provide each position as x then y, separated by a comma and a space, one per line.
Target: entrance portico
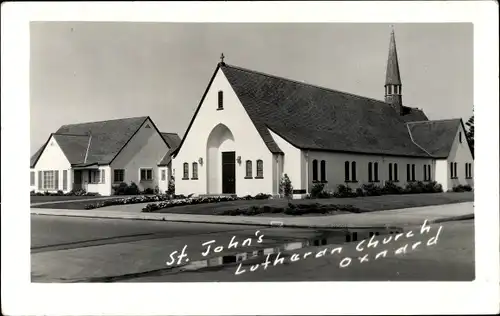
221, 161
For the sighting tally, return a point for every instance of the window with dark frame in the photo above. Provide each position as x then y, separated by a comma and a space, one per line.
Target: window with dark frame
370, 177
260, 169
220, 104
163, 175
460, 136
396, 172
353, 171
455, 170
65, 180
32, 178
118, 175
451, 170
195, 171
346, 170
248, 166
375, 171
390, 172
412, 172
323, 171
408, 173
425, 172
146, 174
185, 175
315, 170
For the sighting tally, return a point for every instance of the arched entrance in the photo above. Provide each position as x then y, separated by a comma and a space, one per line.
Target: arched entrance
221, 161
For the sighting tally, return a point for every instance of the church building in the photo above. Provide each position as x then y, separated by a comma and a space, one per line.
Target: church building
251, 128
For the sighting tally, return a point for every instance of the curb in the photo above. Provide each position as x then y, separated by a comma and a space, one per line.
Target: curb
272, 223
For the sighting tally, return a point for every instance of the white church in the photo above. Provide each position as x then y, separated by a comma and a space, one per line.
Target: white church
251, 128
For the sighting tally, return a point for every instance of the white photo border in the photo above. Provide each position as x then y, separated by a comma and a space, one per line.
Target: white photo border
20, 297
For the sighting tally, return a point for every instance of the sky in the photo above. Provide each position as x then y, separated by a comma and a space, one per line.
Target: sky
94, 71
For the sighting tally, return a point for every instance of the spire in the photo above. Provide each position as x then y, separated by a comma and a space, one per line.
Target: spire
392, 74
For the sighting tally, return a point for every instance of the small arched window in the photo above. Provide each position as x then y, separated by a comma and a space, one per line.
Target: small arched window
370, 175
353, 171
248, 165
396, 172
390, 172
455, 170
412, 172
260, 169
346, 168
408, 173
220, 103
195, 171
323, 171
185, 174
375, 171
315, 170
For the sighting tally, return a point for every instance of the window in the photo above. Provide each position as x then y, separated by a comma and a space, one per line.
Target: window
195, 171
375, 171
95, 176
429, 177
315, 170
32, 178
220, 100
425, 172
260, 169
412, 172
48, 180
346, 167
390, 172
323, 171
455, 170
65, 180
248, 165
40, 183
103, 176
118, 175
185, 175
146, 174
460, 136
353, 171
408, 174
370, 175
396, 172
468, 170
451, 170
163, 175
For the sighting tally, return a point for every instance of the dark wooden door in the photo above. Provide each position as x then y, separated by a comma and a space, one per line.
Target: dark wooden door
228, 172
77, 180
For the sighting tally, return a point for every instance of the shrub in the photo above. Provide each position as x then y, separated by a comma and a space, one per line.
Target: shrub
371, 189
32, 192
125, 189
157, 190
286, 188
462, 188
262, 196
317, 190
148, 191
60, 192
414, 187
343, 191
171, 186
391, 188
359, 192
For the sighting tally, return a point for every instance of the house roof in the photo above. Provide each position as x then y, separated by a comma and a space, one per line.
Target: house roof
436, 137
173, 140
106, 138
316, 118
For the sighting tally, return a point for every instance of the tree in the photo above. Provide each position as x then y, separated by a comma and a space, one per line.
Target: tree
286, 188
470, 133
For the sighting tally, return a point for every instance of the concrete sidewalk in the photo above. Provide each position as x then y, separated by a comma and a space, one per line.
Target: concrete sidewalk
399, 217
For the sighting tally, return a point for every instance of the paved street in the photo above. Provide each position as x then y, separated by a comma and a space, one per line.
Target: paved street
70, 249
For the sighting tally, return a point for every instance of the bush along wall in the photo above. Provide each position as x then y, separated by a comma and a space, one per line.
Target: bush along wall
80, 192
372, 189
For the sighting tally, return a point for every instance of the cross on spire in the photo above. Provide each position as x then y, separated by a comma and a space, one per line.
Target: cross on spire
222, 58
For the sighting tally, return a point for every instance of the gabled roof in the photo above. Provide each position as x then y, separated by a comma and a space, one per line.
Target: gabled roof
436, 137
173, 140
106, 138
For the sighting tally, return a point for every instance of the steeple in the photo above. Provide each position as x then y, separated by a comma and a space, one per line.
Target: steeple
393, 86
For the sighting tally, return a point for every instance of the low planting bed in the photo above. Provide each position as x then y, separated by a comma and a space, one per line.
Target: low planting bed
293, 209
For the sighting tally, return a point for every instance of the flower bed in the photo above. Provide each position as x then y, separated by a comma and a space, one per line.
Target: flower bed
61, 193
188, 201
128, 200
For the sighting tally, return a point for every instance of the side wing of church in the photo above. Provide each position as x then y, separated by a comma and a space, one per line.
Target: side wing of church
251, 128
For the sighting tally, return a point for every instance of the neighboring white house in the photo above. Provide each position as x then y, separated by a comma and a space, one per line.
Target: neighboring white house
250, 128
97, 156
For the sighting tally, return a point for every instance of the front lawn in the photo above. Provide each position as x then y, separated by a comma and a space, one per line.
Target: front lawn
330, 206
